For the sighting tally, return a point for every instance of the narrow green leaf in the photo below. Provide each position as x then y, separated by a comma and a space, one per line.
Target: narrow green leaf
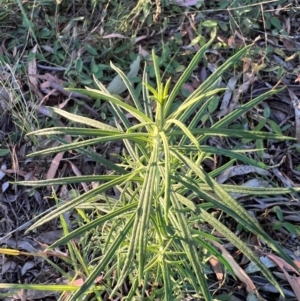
215, 76
167, 173
167, 279
194, 124
221, 169
90, 49
79, 200
149, 190
159, 222
74, 131
187, 73
231, 203
234, 154
186, 202
279, 213
209, 23
119, 84
84, 120
166, 88
118, 113
157, 73
254, 190
190, 248
199, 239
223, 132
290, 227
137, 137
97, 158
241, 246
141, 222
275, 127
100, 86
259, 143
152, 90
79, 232
114, 100
193, 186
181, 112
185, 130
28, 23
146, 96
73, 180
243, 109
128, 85
105, 260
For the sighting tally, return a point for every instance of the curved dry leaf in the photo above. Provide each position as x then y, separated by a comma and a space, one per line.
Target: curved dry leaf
239, 272
5, 185
114, 35
296, 105
237, 93
252, 267
48, 49
78, 174
54, 166
56, 160
49, 237
268, 287
2, 174
240, 170
32, 70
285, 180
267, 205
142, 52
41, 109
188, 87
21, 245
229, 90
187, 2
290, 44
217, 267
294, 280
294, 218
287, 65
140, 38
8, 265
27, 266
79, 282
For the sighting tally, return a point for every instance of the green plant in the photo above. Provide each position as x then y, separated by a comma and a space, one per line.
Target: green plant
281, 223
148, 228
